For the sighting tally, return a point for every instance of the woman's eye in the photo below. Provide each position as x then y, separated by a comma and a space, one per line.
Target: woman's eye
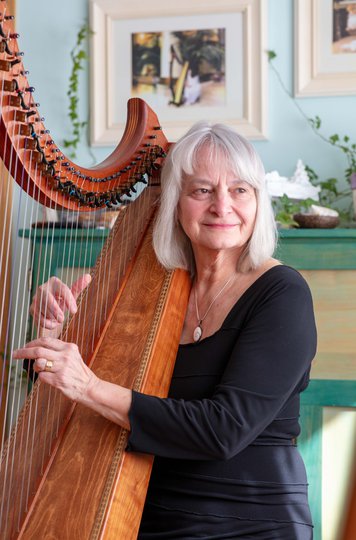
241, 191
201, 191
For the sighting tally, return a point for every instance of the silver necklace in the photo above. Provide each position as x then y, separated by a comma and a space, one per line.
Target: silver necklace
198, 330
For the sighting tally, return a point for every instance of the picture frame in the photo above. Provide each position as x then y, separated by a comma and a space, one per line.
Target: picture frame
319, 69
113, 23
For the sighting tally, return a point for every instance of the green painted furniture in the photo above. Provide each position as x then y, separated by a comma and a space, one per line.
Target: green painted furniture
327, 259
54, 249
318, 249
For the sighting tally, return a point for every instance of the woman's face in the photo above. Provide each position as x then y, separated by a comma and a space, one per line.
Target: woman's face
216, 209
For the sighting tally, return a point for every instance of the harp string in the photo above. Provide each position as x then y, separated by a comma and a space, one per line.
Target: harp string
100, 269
24, 435
26, 439
10, 336
103, 270
4, 262
25, 262
29, 438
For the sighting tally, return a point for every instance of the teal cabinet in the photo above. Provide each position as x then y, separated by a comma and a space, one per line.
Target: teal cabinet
55, 250
327, 259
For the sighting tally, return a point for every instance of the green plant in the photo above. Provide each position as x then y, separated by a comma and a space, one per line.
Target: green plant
285, 208
330, 195
79, 56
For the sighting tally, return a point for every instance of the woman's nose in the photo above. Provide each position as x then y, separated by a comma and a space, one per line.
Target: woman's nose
221, 204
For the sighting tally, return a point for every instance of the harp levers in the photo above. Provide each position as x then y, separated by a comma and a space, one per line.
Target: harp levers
59, 459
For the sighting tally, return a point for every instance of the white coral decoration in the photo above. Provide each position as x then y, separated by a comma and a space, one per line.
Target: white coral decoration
297, 187
300, 175
322, 211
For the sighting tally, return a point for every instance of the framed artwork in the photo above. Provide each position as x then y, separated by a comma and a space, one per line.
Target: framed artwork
325, 49
189, 60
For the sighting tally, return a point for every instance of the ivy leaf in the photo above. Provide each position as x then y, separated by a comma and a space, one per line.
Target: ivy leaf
79, 56
334, 138
271, 55
313, 177
315, 122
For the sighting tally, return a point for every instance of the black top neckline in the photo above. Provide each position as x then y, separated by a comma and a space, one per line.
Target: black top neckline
242, 298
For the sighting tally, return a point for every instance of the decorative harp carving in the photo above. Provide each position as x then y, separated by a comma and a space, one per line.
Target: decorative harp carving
64, 471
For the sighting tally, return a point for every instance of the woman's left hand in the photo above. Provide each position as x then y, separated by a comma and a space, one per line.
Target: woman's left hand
59, 364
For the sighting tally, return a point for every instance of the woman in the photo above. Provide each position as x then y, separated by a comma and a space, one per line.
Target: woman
226, 462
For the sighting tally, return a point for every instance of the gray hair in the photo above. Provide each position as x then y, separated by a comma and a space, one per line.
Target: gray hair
171, 244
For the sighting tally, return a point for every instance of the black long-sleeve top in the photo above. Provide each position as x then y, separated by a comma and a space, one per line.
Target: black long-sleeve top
234, 395
240, 385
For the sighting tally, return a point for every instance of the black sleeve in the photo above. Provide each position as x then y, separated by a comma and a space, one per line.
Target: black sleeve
270, 357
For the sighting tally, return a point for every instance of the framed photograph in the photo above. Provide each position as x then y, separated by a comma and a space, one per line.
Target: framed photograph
325, 49
189, 60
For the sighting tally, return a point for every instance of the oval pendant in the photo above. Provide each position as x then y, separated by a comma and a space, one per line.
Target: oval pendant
197, 333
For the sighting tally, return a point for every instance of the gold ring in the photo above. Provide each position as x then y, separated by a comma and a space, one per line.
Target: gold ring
48, 366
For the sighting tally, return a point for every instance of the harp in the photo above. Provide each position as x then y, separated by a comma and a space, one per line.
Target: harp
64, 472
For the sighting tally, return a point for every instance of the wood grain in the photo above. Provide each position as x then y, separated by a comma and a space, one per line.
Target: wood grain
82, 473
334, 293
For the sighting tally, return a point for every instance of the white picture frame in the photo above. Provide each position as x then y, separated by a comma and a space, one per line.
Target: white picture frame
110, 71
318, 70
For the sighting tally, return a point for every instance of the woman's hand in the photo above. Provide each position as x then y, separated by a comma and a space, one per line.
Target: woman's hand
60, 364
53, 299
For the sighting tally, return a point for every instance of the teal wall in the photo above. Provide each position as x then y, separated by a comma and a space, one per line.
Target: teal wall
48, 32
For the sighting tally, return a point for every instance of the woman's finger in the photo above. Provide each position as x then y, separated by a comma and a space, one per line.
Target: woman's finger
62, 294
48, 324
45, 347
51, 308
51, 301
44, 364
46, 308
79, 285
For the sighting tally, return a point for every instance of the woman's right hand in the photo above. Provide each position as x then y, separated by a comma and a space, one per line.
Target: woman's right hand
53, 299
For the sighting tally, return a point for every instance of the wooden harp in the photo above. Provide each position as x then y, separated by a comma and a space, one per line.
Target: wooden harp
64, 471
